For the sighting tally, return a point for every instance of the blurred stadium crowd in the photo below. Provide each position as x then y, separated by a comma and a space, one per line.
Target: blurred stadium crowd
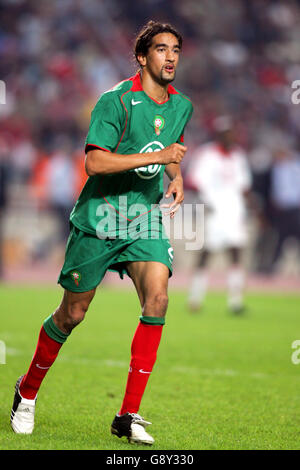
239, 57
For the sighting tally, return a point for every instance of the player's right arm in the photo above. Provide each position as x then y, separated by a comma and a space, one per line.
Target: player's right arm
102, 162
108, 122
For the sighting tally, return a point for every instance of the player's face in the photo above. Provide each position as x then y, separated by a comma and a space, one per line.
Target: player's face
162, 58
227, 138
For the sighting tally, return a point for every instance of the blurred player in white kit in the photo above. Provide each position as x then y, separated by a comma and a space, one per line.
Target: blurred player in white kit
221, 176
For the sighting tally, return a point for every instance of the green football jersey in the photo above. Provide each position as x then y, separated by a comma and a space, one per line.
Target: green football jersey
127, 121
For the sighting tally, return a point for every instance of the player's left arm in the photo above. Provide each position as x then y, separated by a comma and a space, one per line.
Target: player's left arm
246, 185
175, 188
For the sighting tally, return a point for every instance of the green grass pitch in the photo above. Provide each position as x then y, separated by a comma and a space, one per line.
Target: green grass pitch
220, 381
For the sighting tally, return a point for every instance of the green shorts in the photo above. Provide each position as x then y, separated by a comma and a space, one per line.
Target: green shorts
88, 258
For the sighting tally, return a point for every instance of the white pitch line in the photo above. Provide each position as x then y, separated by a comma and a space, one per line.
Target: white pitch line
176, 369
13, 352
103, 362
216, 372
5, 335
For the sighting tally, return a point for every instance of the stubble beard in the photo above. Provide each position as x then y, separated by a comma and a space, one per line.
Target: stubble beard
163, 78
166, 78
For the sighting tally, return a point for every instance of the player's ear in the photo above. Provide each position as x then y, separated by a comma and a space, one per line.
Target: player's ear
142, 60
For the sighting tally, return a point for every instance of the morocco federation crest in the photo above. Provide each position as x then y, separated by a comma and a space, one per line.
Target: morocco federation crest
76, 276
159, 124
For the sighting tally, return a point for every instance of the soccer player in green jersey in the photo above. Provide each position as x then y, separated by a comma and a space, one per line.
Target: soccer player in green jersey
135, 135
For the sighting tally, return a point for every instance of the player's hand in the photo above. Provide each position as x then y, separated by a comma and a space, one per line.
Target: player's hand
175, 188
174, 153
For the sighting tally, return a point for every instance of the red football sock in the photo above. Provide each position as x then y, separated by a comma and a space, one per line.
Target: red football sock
143, 356
45, 354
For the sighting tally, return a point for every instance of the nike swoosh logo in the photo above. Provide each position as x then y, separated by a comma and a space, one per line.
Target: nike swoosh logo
40, 367
144, 371
135, 102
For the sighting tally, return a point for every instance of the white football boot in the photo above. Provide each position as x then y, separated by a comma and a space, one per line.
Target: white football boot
22, 412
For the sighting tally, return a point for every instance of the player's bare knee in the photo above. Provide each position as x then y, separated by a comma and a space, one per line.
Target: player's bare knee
69, 315
156, 305
76, 313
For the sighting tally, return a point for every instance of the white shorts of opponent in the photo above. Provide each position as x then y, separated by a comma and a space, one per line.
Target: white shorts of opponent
223, 230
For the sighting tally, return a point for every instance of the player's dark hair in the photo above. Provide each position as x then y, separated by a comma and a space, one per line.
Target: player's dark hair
152, 28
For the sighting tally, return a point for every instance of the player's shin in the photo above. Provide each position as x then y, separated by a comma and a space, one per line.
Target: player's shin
49, 343
143, 356
198, 288
236, 283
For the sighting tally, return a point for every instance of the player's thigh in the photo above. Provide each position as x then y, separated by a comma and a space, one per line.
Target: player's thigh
235, 255
151, 281
86, 261
203, 258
